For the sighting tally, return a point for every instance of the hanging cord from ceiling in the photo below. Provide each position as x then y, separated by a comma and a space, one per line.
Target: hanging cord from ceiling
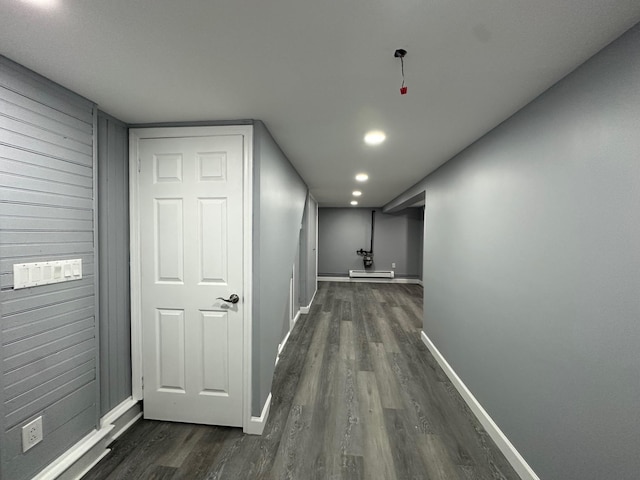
400, 53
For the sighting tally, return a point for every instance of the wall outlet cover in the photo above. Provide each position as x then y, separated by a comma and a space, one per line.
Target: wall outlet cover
31, 434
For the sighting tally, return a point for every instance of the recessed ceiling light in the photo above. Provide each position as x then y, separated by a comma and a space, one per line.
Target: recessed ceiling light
42, 3
362, 177
374, 137
353, 202
357, 193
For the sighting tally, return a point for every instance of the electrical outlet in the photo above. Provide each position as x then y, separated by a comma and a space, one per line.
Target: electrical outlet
393, 265
31, 434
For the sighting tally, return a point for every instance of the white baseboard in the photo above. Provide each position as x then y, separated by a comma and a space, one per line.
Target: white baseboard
370, 280
286, 337
123, 416
284, 342
281, 346
419, 282
307, 309
256, 424
506, 447
79, 459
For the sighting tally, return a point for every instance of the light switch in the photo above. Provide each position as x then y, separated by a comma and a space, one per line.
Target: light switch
24, 275
36, 274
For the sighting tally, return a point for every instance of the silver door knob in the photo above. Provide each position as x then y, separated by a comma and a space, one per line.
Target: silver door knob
233, 298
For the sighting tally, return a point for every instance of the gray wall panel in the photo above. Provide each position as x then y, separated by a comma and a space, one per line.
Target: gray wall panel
53, 294
48, 347
40, 198
19, 181
15, 418
23, 81
42, 124
44, 211
34, 144
312, 250
25, 346
3, 441
49, 237
397, 239
37, 171
16, 105
308, 274
53, 166
27, 330
532, 270
296, 281
115, 319
59, 415
37, 397
278, 204
41, 316
42, 133
68, 250
27, 382
60, 434
12, 377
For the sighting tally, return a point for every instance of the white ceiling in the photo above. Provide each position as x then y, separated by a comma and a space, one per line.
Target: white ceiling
319, 73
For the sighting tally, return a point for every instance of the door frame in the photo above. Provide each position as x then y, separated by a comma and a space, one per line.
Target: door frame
136, 134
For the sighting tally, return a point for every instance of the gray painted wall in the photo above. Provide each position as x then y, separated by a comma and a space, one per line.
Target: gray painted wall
48, 348
532, 270
114, 293
2, 423
278, 203
397, 238
312, 250
296, 280
308, 248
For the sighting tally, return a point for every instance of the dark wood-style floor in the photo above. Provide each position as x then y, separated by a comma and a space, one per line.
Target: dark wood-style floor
356, 395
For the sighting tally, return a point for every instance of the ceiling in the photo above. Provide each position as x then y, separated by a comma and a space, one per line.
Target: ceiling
320, 74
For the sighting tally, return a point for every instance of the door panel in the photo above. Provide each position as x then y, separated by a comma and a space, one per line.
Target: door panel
215, 329
213, 240
170, 350
169, 239
190, 210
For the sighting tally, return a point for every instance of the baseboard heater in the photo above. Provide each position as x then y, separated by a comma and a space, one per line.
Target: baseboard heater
371, 273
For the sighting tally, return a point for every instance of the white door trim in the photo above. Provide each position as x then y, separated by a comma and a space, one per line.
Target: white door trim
135, 134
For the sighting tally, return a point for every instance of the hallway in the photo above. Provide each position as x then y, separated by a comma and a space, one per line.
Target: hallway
356, 395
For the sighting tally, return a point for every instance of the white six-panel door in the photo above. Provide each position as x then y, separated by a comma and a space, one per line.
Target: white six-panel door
191, 238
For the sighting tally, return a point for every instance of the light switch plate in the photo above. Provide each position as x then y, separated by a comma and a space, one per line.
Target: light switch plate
44, 273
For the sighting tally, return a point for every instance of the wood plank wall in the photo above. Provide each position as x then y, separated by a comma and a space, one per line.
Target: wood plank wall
113, 227
48, 340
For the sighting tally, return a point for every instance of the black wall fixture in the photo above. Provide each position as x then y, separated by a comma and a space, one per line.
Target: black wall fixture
367, 255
